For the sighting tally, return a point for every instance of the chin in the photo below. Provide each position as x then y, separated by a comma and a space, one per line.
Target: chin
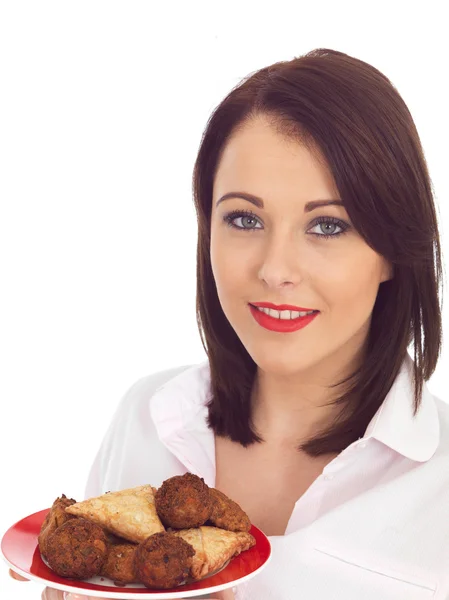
283, 366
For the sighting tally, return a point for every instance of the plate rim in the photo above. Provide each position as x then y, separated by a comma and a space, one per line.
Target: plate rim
150, 595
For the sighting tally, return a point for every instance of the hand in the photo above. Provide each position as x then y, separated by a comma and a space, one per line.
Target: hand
225, 595
15, 575
52, 594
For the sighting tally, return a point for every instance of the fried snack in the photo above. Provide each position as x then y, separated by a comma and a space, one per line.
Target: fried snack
114, 540
163, 561
227, 514
213, 547
130, 514
77, 549
183, 501
194, 537
119, 564
54, 519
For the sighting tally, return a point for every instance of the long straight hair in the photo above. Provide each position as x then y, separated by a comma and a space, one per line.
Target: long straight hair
354, 115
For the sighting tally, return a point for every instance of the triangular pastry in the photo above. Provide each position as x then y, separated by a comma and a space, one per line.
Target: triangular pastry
130, 514
213, 547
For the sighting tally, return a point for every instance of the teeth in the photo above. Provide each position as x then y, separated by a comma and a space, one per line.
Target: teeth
284, 314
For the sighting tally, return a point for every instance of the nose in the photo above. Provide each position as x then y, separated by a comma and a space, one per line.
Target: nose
280, 264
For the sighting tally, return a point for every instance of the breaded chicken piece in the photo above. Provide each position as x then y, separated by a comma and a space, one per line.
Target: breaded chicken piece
54, 519
227, 514
119, 564
77, 549
163, 561
183, 501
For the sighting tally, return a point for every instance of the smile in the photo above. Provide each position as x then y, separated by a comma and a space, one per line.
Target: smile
284, 321
285, 314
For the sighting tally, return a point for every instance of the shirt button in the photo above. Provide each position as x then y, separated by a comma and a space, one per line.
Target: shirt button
362, 445
328, 476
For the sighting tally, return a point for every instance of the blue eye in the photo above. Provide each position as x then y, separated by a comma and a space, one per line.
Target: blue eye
248, 215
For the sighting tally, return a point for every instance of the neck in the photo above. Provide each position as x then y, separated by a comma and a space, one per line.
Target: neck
288, 408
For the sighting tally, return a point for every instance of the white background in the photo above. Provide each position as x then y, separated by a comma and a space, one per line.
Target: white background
102, 107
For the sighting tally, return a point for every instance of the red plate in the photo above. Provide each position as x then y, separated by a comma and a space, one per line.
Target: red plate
20, 550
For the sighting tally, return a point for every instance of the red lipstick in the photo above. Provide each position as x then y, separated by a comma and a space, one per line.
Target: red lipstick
281, 306
280, 325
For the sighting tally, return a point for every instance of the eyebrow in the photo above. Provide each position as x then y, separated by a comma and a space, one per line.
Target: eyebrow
259, 202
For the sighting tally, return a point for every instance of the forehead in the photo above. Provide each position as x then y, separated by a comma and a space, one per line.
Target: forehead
259, 160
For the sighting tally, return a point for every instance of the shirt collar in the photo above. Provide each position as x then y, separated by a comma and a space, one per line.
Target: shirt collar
178, 409
395, 426
179, 412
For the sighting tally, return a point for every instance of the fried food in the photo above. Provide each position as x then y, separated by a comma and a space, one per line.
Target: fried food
163, 561
130, 514
227, 514
194, 537
121, 535
114, 540
183, 501
119, 564
54, 519
77, 549
213, 547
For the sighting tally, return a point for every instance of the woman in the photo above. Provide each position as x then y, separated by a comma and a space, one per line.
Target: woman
313, 196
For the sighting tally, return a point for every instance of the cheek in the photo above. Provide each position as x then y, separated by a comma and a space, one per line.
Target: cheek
229, 283
352, 283
228, 267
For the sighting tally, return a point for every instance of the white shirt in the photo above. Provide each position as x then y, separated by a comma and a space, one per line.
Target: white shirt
373, 526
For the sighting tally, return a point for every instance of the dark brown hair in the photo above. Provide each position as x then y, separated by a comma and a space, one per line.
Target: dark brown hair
354, 115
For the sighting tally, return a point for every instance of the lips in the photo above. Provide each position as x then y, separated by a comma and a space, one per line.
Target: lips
281, 325
281, 306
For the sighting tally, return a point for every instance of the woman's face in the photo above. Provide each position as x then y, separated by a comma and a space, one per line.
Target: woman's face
279, 254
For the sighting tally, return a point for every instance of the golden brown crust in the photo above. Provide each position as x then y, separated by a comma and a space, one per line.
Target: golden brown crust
183, 501
54, 519
163, 561
121, 535
130, 514
119, 564
77, 549
227, 514
214, 547
194, 537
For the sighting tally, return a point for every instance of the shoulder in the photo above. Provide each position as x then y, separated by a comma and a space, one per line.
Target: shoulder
131, 452
167, 394
145, 387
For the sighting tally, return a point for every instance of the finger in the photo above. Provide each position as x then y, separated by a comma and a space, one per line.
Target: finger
15, 575
52, 594
226, 595
72, 596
